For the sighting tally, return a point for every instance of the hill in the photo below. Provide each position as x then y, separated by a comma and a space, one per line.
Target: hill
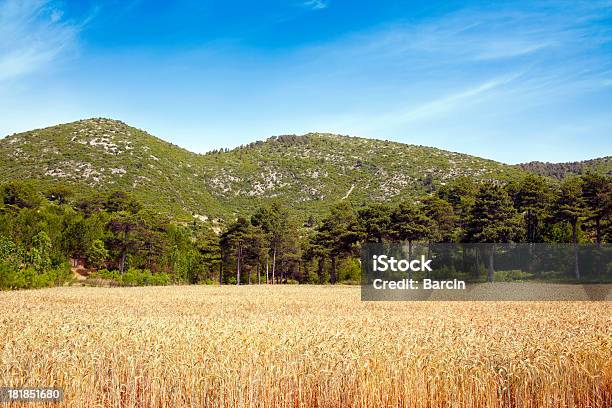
601, 165
103, 154
315, 170
309, 172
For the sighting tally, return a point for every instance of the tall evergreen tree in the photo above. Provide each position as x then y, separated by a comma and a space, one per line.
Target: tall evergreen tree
208, 246
126, 228
409, 223
315, 250
339, 234
460, 193
233, 242
274, 221
492, 220
597, 197
375, 222
569, 207
532, 197
442, 219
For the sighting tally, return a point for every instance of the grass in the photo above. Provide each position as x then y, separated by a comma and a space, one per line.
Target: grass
302, 346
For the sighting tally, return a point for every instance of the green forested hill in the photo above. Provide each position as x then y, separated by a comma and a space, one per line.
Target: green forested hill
309, 173
602, 165
101, 155
314, 171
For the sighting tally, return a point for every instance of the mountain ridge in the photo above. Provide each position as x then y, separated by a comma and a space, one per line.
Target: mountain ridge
309, 172
565, 169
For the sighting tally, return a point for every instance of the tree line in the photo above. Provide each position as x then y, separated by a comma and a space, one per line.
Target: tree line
117, 237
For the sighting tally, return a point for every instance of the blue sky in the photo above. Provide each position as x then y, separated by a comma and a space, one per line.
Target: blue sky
514, 82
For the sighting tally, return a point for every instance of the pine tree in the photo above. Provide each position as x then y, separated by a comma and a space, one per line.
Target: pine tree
460, 193
375, 222
339, 234
275, 223
569, 207
532, 197
233, 242
208, 246
126, 228
597, 197
409, 223
442, 217
492, 220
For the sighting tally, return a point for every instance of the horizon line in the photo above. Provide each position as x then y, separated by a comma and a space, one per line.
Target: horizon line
297, 135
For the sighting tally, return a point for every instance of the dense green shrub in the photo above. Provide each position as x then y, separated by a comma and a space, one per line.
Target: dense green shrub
134, 277
350, 270
512, 275
24, 269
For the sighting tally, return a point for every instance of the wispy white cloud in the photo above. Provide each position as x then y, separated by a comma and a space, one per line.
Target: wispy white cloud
430, 70
451, 101
315, 4
33, 34
476, 35
428, 110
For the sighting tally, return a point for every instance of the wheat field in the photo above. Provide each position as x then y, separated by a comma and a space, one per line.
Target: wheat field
290, 346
